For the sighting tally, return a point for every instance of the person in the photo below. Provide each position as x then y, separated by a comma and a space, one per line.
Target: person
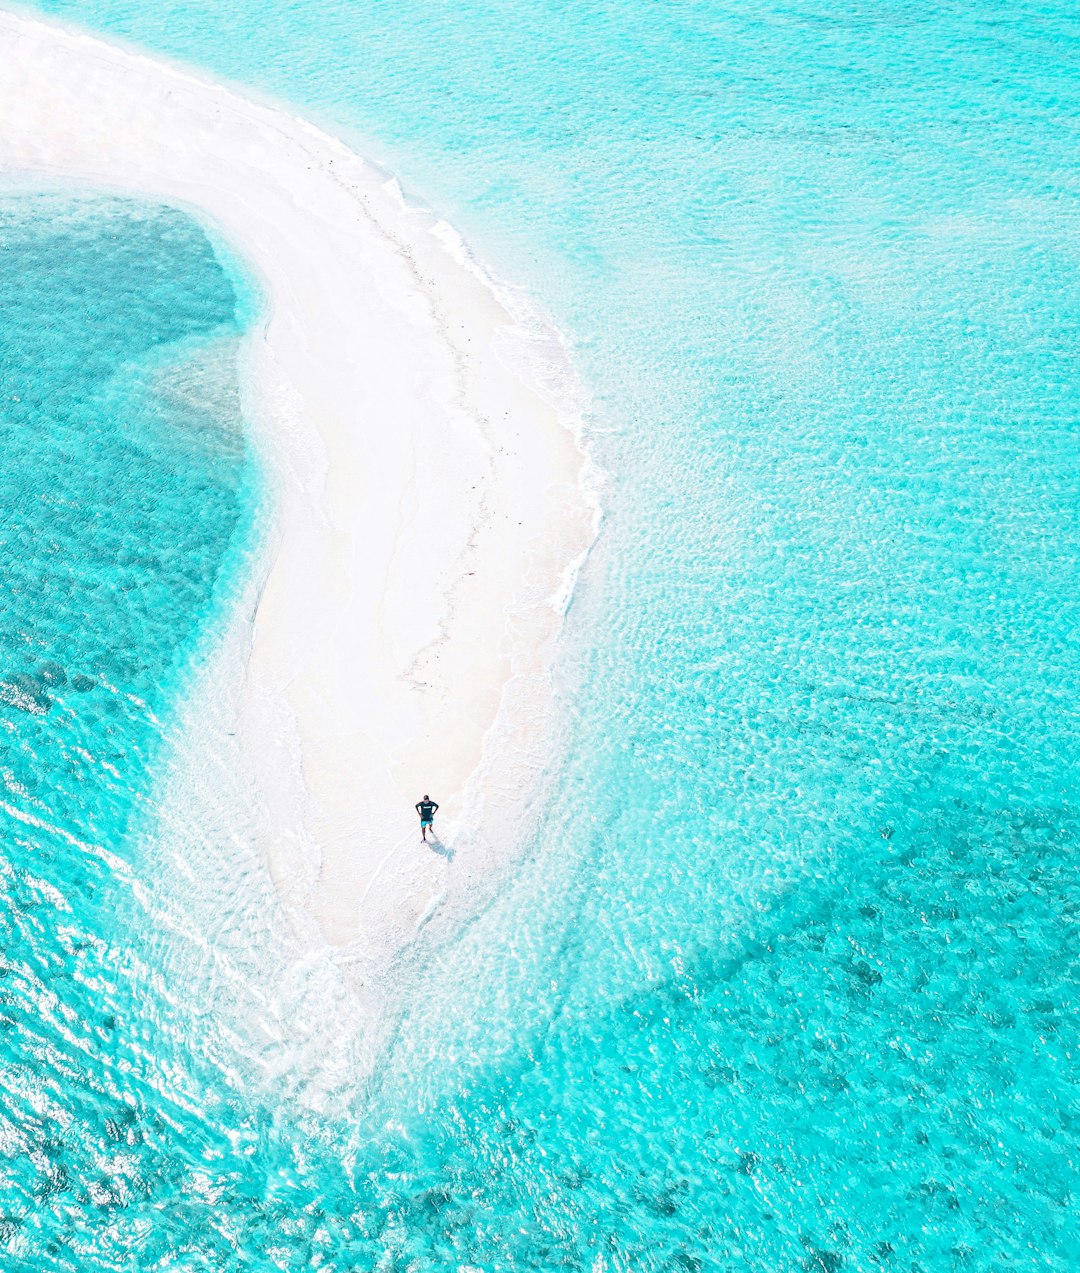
426, 809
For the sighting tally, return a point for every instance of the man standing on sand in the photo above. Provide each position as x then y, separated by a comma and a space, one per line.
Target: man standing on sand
426, 809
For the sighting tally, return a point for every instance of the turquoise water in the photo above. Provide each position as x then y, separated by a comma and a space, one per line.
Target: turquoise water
129, 504
786, 981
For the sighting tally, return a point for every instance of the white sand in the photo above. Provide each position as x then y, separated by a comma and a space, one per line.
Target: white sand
430, 499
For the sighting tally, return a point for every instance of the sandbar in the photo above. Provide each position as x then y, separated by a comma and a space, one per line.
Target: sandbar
431, 494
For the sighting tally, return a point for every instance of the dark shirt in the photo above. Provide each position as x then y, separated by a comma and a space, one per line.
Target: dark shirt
426, 809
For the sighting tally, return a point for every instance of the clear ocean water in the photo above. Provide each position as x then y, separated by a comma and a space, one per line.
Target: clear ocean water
788, 978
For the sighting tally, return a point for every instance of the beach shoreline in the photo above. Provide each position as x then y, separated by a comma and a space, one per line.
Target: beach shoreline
432, 498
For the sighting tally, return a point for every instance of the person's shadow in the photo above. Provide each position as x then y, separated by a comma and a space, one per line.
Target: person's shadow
436, 846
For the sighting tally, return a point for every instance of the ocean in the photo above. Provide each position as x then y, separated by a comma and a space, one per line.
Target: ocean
786, 977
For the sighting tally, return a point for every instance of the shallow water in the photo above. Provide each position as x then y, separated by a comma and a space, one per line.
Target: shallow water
128, 500
785, 982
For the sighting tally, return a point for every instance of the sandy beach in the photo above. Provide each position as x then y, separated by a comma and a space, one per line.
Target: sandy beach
430, 506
